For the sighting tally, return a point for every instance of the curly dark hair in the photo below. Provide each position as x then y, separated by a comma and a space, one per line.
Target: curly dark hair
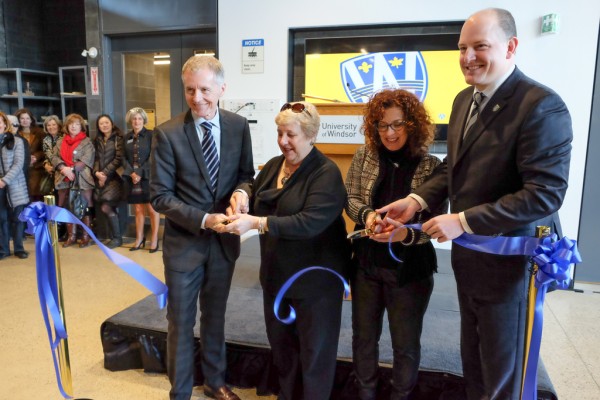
419, 126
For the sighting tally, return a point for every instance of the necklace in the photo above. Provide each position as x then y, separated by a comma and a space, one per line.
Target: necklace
287, 172
286, 175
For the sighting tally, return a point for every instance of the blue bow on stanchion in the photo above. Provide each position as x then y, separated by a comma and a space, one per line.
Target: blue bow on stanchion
37, 215
555, 260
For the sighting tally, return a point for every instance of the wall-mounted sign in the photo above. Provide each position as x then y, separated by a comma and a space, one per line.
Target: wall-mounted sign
94, 85
253, 56
341, 129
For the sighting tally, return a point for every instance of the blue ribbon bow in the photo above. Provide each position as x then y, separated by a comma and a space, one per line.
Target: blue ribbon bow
37, 216
555, 260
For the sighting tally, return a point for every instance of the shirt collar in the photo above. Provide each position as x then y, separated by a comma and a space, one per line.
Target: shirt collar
215, 121
490, 90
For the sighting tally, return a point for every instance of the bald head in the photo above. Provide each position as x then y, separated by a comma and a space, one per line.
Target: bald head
487, 47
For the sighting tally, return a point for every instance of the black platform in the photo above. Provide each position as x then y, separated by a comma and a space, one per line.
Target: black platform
136, 338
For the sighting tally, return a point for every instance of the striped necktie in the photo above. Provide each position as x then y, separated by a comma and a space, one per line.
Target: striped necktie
211, 157
477, 100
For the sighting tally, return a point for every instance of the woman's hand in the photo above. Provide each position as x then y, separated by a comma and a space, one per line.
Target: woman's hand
374, 222
241, 223
68, 173
2, 184
101, 178
394, 229
135, 177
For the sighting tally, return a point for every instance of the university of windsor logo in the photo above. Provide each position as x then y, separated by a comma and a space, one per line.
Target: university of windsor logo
367, 74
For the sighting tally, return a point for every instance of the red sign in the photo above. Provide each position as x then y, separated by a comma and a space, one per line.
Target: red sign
94, 81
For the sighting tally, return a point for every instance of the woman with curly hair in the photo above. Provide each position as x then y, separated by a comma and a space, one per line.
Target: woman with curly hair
392, 164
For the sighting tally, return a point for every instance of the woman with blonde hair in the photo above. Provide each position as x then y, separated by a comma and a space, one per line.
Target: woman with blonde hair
138, 143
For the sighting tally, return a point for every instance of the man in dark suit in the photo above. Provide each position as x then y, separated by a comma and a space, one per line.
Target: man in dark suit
505, 173
193, 194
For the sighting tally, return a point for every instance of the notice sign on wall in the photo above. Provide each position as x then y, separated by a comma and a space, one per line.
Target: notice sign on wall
253, 56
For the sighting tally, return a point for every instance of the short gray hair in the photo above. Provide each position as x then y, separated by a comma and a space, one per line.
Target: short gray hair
196, 63
136, 111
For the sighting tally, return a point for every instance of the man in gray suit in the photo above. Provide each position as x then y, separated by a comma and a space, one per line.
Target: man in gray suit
201, 164
505, 173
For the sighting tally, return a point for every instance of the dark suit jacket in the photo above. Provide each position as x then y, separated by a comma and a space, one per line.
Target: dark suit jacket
510, 174
180, 185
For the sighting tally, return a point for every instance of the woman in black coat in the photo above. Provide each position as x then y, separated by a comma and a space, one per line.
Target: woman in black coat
138, 143
297, 205
107, 166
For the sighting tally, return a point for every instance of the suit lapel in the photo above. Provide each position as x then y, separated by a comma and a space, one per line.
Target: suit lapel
192, 135
492, 110
227, 136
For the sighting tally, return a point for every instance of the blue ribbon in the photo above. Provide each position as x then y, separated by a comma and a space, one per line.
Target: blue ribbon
555, 261
292, 316
37, 216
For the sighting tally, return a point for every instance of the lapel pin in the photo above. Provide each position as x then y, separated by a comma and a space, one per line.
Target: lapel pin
496, 108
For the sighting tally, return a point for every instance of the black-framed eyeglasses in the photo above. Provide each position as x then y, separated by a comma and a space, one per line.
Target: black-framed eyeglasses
296, 107
395, 125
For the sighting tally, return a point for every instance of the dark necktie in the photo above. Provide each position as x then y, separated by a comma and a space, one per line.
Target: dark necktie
477, 99
211, 157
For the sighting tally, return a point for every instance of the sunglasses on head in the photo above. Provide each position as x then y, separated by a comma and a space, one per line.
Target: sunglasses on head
296, 107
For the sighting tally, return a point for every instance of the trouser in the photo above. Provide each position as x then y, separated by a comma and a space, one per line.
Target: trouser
209, 281
305, 352
10, 225
372, 295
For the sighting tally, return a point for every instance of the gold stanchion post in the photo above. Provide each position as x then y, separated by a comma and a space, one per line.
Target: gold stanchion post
540, 232
64, 363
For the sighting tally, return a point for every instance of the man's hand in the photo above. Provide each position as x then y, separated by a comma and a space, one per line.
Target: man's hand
238, 204
401, 210
444, 227
216, 222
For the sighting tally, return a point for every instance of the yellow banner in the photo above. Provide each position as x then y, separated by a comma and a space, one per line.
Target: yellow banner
444, 79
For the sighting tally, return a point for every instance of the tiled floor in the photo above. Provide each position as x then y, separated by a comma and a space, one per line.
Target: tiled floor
94, 290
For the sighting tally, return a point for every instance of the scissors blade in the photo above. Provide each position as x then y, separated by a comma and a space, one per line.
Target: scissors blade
360, 234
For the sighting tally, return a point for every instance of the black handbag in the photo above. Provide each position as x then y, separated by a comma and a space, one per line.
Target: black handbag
77, 203
47, 184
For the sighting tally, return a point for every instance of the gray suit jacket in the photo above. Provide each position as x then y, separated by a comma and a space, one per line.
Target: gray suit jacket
180, 185
509, 175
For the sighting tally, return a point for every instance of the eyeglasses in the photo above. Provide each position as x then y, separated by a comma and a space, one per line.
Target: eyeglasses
296, 107
395, 125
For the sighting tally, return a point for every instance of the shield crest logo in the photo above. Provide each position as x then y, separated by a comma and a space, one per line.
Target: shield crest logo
369, 73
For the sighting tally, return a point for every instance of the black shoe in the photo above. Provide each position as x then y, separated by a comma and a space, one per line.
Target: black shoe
3, 256
154, 250
139, 246
22, 255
